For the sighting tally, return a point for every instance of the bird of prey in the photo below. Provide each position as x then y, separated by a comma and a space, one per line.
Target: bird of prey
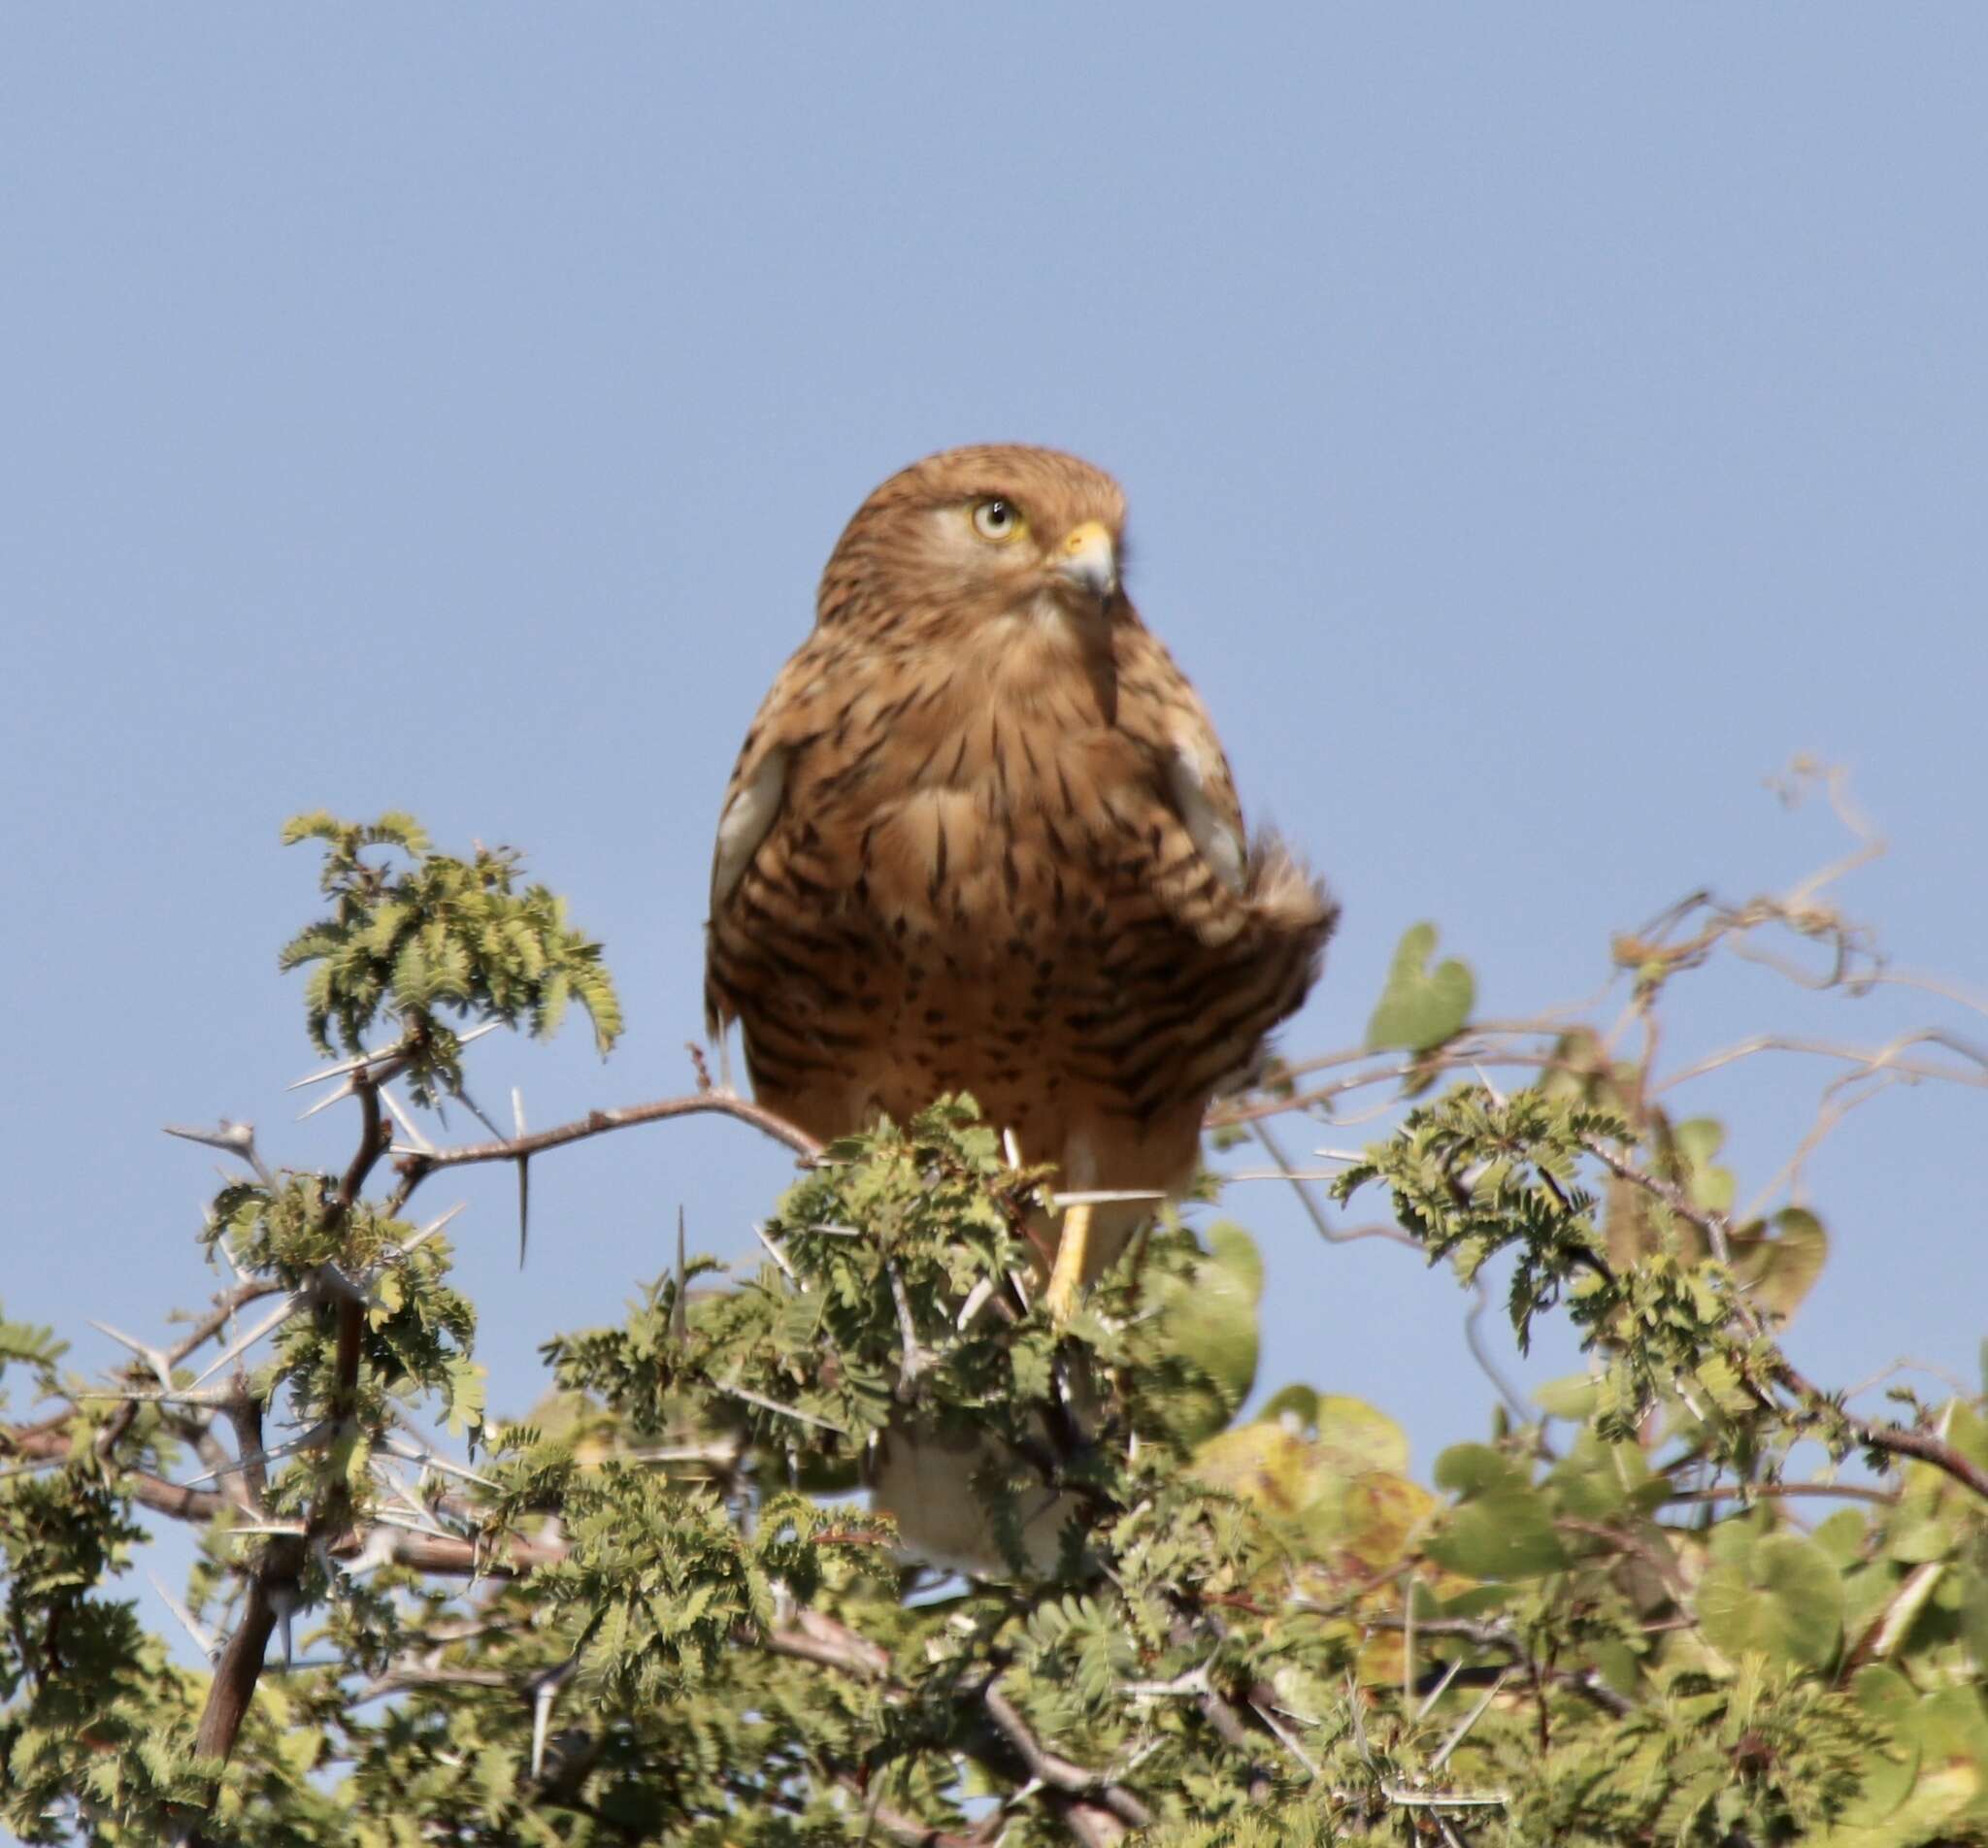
982, 837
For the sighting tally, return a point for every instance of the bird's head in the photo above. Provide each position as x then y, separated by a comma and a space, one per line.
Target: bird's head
977, 534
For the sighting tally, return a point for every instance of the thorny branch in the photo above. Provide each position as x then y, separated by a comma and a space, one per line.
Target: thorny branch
1501, 1638
273, 1581
416, 1163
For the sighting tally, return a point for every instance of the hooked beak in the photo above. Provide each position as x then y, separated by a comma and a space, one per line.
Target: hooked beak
1090, 560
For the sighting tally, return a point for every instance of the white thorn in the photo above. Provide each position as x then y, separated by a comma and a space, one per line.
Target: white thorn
150, 1355
327, 1100
379, 1056
410, 1452
309, 1440
343, 1066
541, 1719
773, 1406
408, 1127
387, 1517
680, 1309
204, 1639
544, 1690
977, 1300
131, 1398
392, 1479
1103, 1196
434, 1226
276, 1318
773, 1251
1469, 1720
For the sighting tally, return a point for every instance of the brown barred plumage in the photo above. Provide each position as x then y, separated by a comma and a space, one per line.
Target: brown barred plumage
982, 837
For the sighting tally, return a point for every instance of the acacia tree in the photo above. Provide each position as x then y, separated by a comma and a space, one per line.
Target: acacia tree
650, 1611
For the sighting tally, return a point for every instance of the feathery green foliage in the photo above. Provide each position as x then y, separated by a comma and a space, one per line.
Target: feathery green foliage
437, 932
658, 1609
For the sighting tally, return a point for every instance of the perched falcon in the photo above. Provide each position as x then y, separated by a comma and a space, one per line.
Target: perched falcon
981, 838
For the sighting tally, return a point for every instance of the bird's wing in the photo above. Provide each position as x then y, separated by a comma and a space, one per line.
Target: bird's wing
756, 798
1197, 777
791, 717
758, 787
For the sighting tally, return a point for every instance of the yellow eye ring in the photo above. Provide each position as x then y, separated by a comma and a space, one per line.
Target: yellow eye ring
999, 520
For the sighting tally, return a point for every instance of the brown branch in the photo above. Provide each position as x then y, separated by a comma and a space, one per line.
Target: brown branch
1583, 1682
1655, 1557
1772, 1491
1868, 1058
216, 1318
239, 1667
417, 1165
1897, 1440
1097, 1811
376, 1134
907, 1830
1461, 1055
512, 1556
404, 1680
225, 1306
1229, 1726
273, 1576
815, 1638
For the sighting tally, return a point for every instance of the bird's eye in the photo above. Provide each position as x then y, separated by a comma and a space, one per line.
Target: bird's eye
998, 519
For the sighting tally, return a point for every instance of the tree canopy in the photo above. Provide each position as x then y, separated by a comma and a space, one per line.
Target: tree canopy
1691, 1595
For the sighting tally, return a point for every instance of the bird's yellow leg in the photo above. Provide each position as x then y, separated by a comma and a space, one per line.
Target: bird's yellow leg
1067, 1278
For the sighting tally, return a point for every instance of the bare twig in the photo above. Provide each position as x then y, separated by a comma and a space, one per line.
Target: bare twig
601, 1122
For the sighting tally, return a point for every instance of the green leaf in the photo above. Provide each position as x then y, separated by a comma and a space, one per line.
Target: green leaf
1781, 1269
1695, 1141
1508, 1535
1354, 1436
1473, 1469
1209, 1320
1502, 1528
1296, 1406
1967, 1430
1595, 1481
1420, 1008
1841, 1536
1572, 1397
1782, 1598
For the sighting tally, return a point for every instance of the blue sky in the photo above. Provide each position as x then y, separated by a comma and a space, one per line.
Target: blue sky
1539, 422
